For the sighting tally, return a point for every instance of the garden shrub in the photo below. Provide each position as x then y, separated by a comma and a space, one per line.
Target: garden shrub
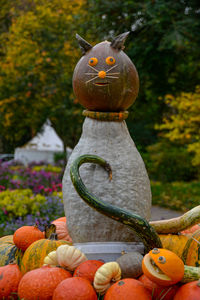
169, 162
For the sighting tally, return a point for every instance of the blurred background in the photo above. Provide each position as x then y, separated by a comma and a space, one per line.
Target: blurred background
38, 53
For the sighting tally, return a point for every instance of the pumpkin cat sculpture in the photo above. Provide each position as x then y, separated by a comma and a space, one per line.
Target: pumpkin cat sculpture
106, 83
105, 79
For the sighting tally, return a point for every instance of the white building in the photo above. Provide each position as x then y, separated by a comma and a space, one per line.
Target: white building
42, 147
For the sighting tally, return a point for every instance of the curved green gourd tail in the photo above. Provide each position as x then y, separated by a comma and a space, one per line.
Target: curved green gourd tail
139, 225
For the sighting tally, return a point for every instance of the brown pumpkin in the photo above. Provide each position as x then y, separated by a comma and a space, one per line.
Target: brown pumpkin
24, 236
127, 288
10, 277
41, 283
105, 79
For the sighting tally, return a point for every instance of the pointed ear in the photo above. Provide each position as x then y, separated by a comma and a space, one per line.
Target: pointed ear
118, 41
85, 46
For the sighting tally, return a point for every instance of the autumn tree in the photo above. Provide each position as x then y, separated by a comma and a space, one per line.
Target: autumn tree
40, 52
164, 45
181, 124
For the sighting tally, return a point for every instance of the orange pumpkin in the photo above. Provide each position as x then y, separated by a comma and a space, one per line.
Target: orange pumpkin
189, 291
62, 231
159, 292
63, 219
26, 235
73, 289
163, 267
127, 288
41, 283
10, 277
87, 269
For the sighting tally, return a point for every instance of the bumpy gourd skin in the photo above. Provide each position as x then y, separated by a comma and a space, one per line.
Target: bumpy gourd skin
138, 224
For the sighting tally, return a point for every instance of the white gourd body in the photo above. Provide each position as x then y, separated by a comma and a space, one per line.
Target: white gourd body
128, 189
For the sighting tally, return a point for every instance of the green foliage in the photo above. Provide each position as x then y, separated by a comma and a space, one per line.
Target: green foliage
169, 162
48, 168
163, 44
19, 203
181, 196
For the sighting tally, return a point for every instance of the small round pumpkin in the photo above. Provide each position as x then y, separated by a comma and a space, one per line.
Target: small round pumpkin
9, 252
41, 283
127, 288
163, 267
24, 236
74, 289
189, 291
34, 255
159, 292
61, 219
62, 231
10, 277
130, 264
87, 269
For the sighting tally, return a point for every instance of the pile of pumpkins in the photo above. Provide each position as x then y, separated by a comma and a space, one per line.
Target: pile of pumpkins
46, 265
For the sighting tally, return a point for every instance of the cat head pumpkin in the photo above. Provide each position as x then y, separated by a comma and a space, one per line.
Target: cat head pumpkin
105, 79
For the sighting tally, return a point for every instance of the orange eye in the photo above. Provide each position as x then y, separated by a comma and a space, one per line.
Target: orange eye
93, 61
110, 60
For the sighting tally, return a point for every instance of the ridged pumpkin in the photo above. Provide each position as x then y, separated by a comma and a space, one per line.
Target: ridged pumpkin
62, 231
41, 283
34, 255
9, 252
173, 242
10, 277
7, 239
191, 252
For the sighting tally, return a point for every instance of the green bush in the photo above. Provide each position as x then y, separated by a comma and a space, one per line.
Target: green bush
181, 196
169, 162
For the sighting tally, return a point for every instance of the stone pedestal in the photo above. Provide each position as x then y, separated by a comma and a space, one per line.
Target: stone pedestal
129, 187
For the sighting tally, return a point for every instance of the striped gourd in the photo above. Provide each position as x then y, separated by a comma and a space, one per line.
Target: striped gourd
191, 252
173, 242
138, 224
9, 252
34, 255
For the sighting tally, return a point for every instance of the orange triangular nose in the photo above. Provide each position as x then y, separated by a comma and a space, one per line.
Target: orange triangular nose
102, 74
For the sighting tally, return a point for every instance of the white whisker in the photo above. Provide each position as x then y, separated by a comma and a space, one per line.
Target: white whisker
93, 68
111, 68
113, 73
91, 74
108, 76
92, 79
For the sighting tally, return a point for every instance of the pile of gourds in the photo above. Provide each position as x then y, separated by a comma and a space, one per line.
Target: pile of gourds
35, 267
46, 265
